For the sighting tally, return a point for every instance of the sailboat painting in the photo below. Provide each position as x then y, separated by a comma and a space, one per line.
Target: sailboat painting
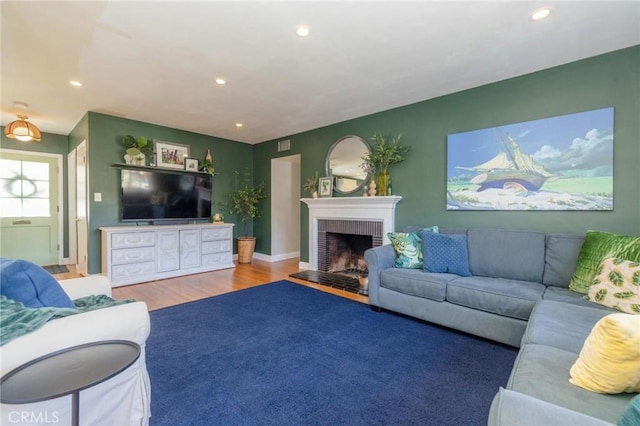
557, 163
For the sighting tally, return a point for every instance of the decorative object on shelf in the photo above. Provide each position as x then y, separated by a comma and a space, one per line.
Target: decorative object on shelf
311, 185
217, 218
136, 149
191, 164
170, 155
326, 186
22, 130
383, 156
153, 160
372, 188
244, 201
207, 164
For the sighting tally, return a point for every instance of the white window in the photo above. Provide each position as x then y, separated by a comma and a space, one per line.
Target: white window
24, 189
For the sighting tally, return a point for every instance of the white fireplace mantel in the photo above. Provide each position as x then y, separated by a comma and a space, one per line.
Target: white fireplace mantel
382, 209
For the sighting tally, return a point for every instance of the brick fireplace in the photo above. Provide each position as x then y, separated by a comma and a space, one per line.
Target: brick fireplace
347, 225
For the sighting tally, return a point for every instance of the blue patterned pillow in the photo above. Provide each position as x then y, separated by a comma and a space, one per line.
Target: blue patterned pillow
29, 284
445, 253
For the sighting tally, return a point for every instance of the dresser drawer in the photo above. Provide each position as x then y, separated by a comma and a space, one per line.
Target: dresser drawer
132, 270
216, 246
217, 259
133, 239
131, 255
209, 234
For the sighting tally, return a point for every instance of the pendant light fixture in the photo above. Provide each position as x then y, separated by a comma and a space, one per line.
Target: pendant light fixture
22, 130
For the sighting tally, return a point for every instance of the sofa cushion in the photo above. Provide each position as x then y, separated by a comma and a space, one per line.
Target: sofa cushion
416, 282
445, 253
609, 361
543, 372
596, 247
510, 254
560, 294
29, 284
510, 298
561, 325
561, 256
617, 285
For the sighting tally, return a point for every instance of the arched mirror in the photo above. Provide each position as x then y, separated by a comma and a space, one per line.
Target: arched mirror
343, 163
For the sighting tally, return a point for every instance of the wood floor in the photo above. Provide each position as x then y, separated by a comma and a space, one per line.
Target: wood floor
173, 291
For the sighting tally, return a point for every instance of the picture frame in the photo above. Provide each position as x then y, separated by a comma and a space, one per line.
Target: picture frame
191, 164
170, 155
325, 186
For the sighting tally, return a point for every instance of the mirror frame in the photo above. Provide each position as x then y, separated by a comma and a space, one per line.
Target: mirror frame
327, 162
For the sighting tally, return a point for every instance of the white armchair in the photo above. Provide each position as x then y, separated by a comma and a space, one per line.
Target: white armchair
122, 400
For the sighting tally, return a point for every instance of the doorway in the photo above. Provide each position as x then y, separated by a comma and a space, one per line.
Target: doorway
30, 217
285, 208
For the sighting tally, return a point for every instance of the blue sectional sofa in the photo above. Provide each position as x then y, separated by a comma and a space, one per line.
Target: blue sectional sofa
517, 294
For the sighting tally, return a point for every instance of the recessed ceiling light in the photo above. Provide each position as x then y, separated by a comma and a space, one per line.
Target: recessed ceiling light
540, 14
221, 81
238, 125
303, 31
75, 83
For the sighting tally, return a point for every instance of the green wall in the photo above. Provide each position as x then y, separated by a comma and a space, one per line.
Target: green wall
52, 144
608, 80
104, 149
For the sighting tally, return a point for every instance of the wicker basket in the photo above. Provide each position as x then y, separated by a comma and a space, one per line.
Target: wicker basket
246, 247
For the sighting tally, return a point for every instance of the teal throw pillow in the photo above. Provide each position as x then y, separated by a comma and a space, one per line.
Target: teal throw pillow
408, 250
445, 253
598, 246
631, 416
29, 284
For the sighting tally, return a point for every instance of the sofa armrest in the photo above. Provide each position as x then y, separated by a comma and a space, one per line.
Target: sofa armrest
86, 286
129, 321
517, 409
378, 259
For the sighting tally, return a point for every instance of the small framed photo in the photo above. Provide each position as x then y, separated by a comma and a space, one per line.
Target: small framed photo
171, 155
326, 186
191, 164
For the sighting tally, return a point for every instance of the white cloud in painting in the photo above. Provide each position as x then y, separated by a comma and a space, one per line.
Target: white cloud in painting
593, 152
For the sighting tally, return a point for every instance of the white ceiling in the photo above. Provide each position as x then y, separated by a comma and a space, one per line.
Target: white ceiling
157, 61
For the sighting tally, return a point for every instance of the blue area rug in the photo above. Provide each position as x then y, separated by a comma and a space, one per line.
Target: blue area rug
284, 354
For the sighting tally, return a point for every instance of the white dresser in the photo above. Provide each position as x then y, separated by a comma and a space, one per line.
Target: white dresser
135, 254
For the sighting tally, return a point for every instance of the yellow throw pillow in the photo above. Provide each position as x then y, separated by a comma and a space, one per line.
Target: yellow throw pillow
609, 361
617, 285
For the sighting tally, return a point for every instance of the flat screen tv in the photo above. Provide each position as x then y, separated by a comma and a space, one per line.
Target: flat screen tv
164, 195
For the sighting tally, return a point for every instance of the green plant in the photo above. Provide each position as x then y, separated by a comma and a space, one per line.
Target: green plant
384, 154
136, 146
244, 199
311, 185
207, 167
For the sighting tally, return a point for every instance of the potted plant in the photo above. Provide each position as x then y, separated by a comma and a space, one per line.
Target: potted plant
243, 201
311, 185
384, 155
136, 149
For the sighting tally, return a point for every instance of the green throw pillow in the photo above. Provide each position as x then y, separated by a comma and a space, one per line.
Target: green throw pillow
631, 416
598, 246
408, 247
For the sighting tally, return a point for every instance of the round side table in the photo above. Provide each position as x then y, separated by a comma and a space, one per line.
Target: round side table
67, 371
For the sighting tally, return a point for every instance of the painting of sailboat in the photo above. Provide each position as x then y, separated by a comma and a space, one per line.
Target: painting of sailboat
557, 163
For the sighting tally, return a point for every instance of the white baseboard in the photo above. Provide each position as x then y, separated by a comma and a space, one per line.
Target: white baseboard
270, 259
304, 265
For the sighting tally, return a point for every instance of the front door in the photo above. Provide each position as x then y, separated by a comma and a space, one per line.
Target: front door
29, 209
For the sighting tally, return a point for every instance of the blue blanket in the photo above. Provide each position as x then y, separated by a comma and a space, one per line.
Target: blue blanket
17, 320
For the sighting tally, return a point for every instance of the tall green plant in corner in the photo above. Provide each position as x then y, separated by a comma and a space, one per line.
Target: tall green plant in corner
244, 202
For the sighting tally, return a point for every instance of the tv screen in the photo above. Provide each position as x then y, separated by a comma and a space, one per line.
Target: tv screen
161, 195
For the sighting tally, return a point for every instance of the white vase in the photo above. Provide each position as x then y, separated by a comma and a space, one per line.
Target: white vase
134, 160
